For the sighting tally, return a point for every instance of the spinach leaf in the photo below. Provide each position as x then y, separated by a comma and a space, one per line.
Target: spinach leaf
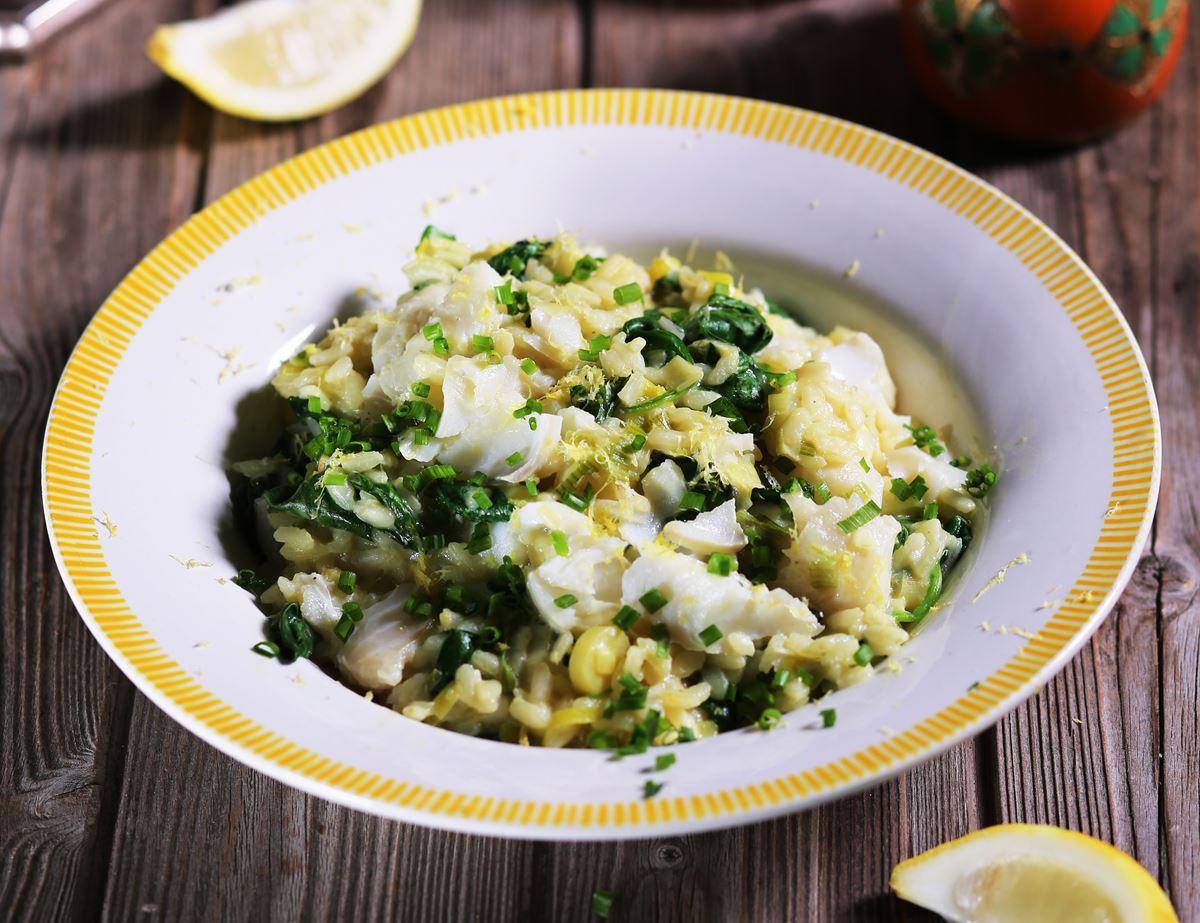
509, 600
960, 529
667, 285
730, 321
310, 504
512, 260
599, 402
407, 530
295, 635
461, 500
724, 407
721, 713
658, 338
248, 580
747, 388
456, 650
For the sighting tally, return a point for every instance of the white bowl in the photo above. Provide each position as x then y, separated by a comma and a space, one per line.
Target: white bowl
141, 423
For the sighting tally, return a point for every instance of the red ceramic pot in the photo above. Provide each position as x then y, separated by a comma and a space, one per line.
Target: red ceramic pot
1044, 70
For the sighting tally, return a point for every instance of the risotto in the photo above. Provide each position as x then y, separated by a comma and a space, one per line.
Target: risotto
556, 497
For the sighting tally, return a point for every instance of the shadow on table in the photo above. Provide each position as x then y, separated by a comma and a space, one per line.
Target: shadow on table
159, 114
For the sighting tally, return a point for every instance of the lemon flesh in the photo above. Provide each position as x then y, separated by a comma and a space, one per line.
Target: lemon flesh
278, 60
1023, 873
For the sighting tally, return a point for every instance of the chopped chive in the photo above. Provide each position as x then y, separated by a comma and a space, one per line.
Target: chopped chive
441, 346
531, 487
780, 678
433, 332
711, 635
353, 611
528, 366
344, 627
266, 648
686, 735
515, 459
532, 423
911, 490
334, 478
559, 539
864, 655
478, 479
822, 493
637, 442
653, 600
627, 294
662, 638
626, 617
314, 404
925, 437
431, 231
456, 597
347, 580
829, 717
664, 761
575, 502
980, 480
421, 436
720, 288
482, 500
659, 399
930, 511
420, 389
961, 461
859, 517
722, 564
504, 293
439, 472
932, 591
769, 719
692, 501
482, 344
530, 406
602, 901
862, 463
566, 601
807, 678
651, 788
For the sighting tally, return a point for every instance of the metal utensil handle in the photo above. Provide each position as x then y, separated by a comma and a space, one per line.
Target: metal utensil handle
22, 31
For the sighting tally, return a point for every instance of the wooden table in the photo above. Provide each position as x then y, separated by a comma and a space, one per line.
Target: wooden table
108, 808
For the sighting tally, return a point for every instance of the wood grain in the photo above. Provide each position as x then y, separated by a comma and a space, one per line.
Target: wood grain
1175, 361
87, 141
108, 808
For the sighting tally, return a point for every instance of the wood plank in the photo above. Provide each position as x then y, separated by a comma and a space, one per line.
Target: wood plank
239, 845
83, 143
1175, 361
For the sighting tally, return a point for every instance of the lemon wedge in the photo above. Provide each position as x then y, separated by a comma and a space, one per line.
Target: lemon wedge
1029, 873
277, 60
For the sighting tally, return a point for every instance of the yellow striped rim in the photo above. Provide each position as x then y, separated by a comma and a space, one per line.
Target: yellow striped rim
1135, 437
